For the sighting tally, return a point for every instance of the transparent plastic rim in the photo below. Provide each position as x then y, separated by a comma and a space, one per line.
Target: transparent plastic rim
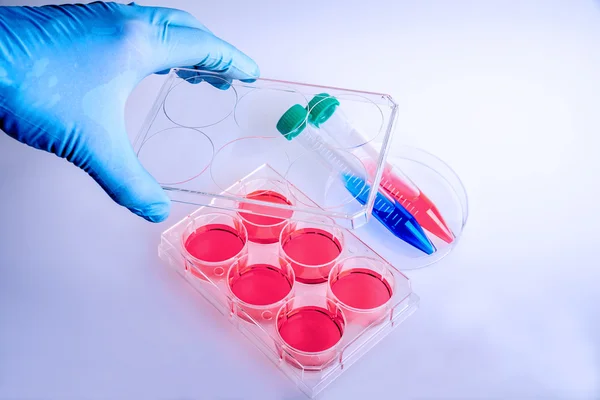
183, 238
263, 307
361, 310
340, 237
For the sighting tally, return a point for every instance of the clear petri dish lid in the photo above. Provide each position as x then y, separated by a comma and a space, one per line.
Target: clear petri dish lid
204, 135
199, 99
259, 109
176, 155
439, 186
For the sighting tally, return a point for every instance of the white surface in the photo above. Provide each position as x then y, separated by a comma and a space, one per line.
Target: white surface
507, 92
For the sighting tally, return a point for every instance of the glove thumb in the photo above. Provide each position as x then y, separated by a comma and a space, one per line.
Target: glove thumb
115, 167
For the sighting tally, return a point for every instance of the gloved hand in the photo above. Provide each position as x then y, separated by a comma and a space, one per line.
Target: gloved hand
67, 71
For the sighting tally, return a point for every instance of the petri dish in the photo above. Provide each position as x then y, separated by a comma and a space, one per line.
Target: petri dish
438, 181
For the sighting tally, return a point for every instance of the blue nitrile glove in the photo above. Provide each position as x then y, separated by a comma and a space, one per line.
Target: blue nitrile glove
66, 72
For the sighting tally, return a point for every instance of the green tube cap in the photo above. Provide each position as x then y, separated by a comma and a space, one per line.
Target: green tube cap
321, 107
292, 122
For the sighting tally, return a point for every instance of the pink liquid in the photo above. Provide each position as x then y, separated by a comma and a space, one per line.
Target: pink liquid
214, 243
415, 202
265, 228
311, 329
260, 284
361, 288
312, 252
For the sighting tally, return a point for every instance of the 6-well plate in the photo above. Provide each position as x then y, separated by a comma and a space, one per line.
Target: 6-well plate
214, 148
311, 371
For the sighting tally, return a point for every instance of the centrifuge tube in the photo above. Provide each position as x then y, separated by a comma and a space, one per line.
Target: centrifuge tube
325, 115
390, 213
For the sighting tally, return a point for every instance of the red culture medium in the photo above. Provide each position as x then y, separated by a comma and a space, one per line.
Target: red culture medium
214, 243
309, 248
260, 284
311, 329
361, 288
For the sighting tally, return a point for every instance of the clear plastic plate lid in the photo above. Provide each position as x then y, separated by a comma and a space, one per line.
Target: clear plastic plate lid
203, 137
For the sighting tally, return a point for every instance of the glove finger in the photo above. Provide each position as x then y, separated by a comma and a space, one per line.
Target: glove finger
184, 46
162, 16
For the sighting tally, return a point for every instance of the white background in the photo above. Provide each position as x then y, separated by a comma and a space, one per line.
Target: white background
507, 92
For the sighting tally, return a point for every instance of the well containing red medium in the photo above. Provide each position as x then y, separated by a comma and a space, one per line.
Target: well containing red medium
312, 334
361, 288
311, 252
260, 284
311, 329
213, 247
214, 243
264, 223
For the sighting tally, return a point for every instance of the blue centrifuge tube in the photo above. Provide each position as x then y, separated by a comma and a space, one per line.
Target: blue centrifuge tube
392, 215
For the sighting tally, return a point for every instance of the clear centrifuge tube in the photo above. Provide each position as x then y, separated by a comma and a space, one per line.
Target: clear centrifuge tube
325, 115
293, 126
